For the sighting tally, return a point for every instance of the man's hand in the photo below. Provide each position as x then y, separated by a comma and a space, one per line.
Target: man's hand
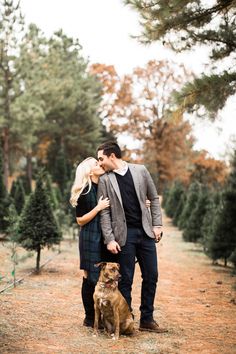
157, 230
113, 247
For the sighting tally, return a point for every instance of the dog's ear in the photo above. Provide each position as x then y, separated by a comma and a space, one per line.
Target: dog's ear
100, 264
117, 265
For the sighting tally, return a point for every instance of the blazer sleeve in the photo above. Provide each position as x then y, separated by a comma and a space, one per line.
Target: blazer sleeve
153, 197
105, 214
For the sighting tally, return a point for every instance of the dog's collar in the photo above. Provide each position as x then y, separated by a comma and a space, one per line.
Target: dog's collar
108, 284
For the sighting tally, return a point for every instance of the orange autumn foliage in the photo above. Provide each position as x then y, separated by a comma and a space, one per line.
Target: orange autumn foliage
208, 170
140, 106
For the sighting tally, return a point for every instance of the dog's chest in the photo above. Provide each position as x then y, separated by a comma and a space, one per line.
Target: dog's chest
104, 301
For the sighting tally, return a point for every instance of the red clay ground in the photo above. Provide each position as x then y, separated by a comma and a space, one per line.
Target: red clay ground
195, 300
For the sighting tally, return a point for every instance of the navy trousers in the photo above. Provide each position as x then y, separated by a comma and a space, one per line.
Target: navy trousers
143, 248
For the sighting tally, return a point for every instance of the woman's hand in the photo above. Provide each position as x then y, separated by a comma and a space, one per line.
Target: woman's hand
148, 203
103, 203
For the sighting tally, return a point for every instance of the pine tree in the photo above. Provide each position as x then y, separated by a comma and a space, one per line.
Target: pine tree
37, 226
60, 170
13, 189
223, 241
165, 195
192, 198
174, 198
185, 24
179, 208
11, 28
4, 201
12, 231
232, 258
193, 231
207, 227
51, 191
19, 196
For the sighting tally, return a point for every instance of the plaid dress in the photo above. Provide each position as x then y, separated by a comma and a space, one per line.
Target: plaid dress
90, 237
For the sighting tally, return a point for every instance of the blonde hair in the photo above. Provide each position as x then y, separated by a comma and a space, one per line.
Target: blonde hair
82, 179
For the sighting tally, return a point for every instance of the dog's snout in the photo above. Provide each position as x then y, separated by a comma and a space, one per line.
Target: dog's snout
118, 276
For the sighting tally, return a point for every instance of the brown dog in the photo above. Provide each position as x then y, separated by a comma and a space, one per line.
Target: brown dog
110, 304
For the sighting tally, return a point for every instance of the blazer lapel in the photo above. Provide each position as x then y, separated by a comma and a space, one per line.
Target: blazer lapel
135, 179
115, 185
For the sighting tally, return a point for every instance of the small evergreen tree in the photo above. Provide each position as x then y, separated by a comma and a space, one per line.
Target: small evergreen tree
51, 191
12, 231
37, 226
232, 258
193, 231
19, 196
25, 183
179, 208
4, 200
13, 189
223, 241
207, 228
192, 198
165, 195
173, 198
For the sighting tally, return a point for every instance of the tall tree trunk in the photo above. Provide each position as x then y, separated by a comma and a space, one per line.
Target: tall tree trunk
6, 156
38, 259
29, 168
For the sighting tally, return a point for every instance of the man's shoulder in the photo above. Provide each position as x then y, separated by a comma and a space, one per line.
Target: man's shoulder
104, 177
136, 166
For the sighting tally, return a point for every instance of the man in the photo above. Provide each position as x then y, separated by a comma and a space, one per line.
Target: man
129, 228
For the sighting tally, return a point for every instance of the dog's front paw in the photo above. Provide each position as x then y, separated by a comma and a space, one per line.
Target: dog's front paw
114, 337
95, 333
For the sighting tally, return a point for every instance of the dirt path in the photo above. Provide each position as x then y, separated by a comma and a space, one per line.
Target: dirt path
195, 300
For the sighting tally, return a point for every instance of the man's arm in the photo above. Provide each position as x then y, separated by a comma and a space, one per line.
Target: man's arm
105, 218
155, 203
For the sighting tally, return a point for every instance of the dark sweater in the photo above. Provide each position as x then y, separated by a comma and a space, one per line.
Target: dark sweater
130, 201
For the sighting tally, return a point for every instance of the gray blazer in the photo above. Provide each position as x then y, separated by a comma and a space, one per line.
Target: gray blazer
113, 221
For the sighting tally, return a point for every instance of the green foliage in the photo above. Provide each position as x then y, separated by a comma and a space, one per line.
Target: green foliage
185, 24
165, 195
207, 227
173, 200
220, 240
12, 231
60, 170
193, 231
72, 98
25, 183
223, 241
218, 88
51, 192
37, 226
4, 201
179, 208
47, 96
19, 196
232, 258
191, 201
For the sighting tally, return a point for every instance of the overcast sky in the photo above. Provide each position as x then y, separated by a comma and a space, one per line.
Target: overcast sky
103, 28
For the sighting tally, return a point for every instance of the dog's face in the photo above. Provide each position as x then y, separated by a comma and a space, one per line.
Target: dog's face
109, 272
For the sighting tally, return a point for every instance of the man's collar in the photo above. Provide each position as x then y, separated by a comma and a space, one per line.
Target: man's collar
123, 169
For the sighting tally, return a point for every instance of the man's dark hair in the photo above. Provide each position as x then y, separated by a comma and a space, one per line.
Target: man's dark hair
110, 147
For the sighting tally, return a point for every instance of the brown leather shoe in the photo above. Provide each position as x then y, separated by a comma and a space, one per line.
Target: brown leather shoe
152, 327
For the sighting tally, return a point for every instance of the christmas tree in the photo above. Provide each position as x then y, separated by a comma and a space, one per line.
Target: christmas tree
191, 201
37, 226
222, 242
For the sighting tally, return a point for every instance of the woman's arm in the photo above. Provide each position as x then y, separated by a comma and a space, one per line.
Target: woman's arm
102, 204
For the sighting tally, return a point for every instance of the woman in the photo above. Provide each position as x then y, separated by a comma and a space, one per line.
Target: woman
84, 198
